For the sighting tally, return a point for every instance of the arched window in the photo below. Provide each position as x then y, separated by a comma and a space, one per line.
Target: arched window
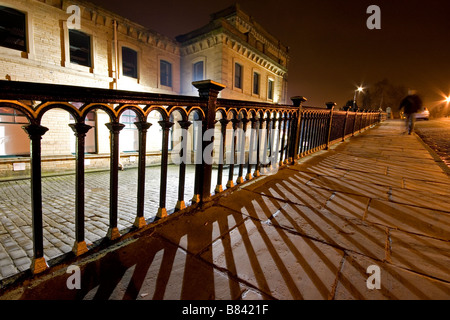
12, 29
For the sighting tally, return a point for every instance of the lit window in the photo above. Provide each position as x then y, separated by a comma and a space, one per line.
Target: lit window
270, 90
198, 71
130, 134
256, 83
80, 48
238, 75
12, 29
13, 139
129, 63
166, 73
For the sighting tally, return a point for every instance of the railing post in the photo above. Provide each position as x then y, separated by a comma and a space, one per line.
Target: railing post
143, 128
297, 101
184, 124
165, 126
114, 129
208, 90
80, 129
35, 132
330, 106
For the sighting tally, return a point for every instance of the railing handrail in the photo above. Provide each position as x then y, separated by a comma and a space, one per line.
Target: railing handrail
18, 90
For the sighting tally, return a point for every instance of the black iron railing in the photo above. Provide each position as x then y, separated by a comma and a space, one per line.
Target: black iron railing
250, 138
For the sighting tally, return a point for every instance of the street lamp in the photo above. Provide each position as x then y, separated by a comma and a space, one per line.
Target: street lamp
359, 89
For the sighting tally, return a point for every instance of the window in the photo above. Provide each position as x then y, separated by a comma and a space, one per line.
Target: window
129, 63
270, 90
256, 78
166, 73
12, 29
238, 75
80, 48
130, 135
13, 139
198, 71
91, 136
10, 115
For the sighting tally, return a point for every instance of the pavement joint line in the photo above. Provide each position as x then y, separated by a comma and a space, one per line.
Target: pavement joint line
338, 276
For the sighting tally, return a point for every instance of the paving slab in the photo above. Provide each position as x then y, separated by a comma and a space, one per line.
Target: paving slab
422, 254
409, 218
395, 283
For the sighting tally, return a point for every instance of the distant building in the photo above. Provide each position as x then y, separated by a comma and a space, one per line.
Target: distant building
236, 51
109, 51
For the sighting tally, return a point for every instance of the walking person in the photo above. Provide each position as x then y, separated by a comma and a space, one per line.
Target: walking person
411, 104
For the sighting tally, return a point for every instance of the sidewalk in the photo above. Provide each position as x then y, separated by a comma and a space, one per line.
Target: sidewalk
309, 232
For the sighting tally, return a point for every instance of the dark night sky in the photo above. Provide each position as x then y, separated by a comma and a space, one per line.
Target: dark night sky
331, 49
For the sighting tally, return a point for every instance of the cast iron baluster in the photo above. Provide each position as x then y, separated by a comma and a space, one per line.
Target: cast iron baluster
287, 125
344, 130
297, 130
330, 106
223, 129
292, 138
308, 128
142, 127
265, 160
311, 130
242, 132
35, 132
233, 154
114, 129
319, 132
183, 157
257, 172
80, 129
251, 149
165, 126
283, 140
280, 140
273, 144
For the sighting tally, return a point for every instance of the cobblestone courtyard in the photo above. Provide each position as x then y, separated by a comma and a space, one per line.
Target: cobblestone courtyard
16, 246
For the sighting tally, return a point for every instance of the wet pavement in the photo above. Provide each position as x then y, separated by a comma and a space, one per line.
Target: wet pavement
367, 219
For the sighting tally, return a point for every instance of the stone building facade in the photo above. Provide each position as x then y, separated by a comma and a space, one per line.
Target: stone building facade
39, 44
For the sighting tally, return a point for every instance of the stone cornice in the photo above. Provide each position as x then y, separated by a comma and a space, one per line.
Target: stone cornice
99, 16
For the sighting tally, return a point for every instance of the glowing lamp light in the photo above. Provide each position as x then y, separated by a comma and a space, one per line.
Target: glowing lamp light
447, 99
